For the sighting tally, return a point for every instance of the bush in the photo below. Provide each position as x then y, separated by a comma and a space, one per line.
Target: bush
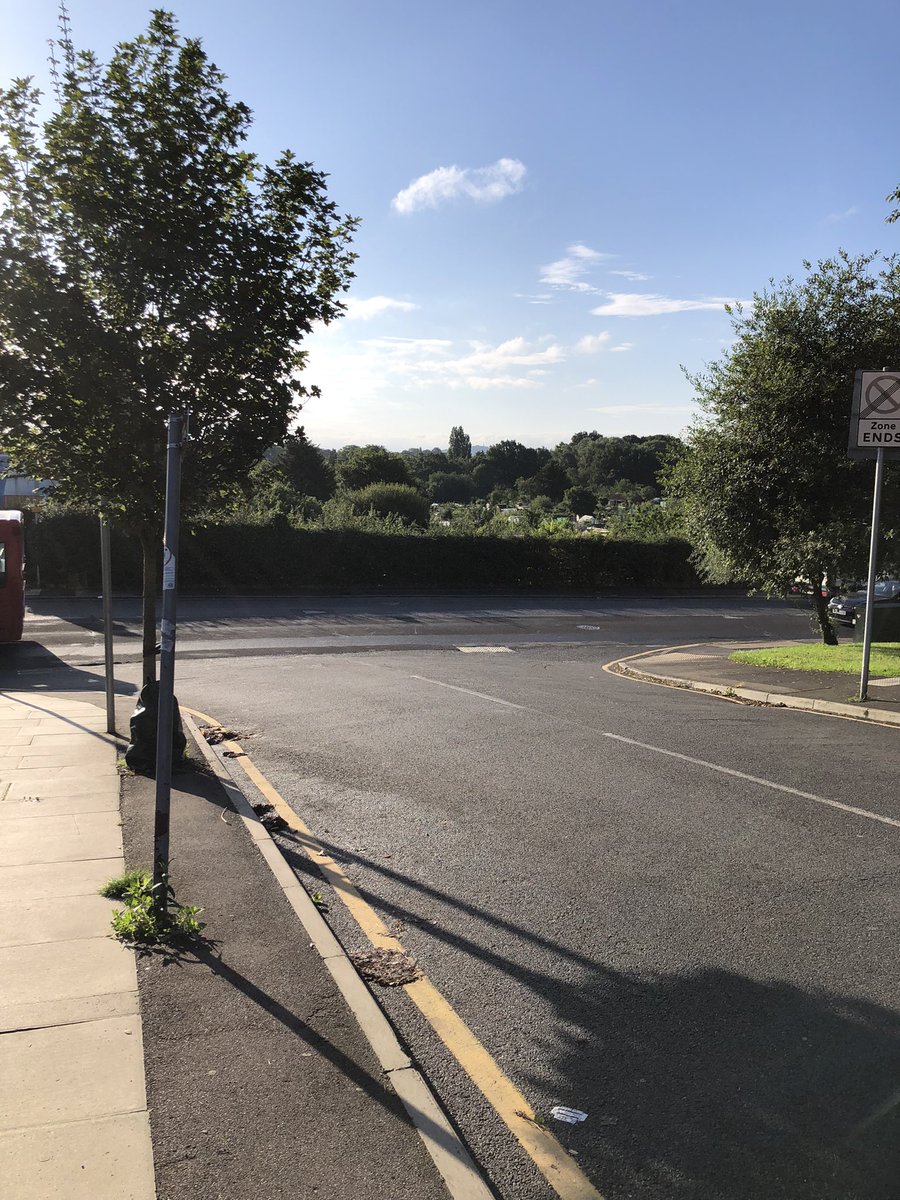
276, 557
390, 500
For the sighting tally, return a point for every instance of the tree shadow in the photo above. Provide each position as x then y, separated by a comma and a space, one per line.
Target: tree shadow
703, 1085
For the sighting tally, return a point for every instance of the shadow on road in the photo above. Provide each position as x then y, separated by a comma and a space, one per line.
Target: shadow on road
706, 1085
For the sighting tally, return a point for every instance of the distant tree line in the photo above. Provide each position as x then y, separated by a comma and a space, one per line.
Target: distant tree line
590, 475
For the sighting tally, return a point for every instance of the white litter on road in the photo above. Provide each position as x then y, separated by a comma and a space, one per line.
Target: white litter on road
571, 1115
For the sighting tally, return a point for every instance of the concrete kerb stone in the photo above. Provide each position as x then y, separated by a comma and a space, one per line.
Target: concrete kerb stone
453, 1161
769, 699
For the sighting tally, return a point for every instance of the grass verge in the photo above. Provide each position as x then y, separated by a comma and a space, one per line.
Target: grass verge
845, 659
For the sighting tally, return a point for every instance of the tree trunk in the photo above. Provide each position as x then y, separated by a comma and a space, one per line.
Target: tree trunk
820, 604
149, 548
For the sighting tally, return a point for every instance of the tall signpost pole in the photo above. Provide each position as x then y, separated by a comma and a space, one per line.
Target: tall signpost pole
106, 578
870, 583
177, 435
874, 433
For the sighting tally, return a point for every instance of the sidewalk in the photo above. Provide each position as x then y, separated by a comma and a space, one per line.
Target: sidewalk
73, 1113
260, 1084
707, 668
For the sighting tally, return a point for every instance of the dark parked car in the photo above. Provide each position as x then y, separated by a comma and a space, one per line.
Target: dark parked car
844, 609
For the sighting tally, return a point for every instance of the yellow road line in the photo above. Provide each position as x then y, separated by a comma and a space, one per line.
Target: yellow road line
554, 1163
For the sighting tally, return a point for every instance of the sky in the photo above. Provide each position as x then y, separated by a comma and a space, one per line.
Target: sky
556, 201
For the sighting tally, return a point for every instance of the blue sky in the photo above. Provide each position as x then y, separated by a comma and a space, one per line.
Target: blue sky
556, 200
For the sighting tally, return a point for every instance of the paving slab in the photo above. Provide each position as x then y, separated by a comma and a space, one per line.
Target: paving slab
105, 1159
46, 920
71, 1072
63, 970
66, 839
34, 881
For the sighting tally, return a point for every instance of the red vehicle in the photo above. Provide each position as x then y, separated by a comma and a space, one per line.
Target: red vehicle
12, 575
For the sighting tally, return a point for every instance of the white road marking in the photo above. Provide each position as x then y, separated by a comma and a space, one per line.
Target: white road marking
469, 692
484, 649
687, 758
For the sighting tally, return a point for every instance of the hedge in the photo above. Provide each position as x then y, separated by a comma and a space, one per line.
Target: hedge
63, 555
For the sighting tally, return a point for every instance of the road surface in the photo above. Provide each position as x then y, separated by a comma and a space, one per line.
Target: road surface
635, 897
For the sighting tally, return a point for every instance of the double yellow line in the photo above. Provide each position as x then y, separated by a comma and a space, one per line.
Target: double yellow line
554, 1163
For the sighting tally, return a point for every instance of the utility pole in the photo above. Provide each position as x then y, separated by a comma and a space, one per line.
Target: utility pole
177, 438
106, 584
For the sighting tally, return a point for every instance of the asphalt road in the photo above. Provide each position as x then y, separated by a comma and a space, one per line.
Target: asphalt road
632, 895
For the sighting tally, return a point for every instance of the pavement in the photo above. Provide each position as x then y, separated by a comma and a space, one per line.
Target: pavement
708, 668
236, 1068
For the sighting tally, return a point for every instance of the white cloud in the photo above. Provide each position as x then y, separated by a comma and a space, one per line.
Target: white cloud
372, 366
593, 342
634, 276
538, 298
373, 306
833, 218
569, 272
621, 348
484, 185
646, 304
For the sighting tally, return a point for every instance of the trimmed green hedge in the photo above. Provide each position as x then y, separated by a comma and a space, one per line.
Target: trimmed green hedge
273, 558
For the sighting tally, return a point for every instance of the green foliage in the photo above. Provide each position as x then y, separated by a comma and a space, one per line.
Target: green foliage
136, 227
144, 920
504, 463
449, 487
580, 501
551, 480
460, 447
304, 467
648, 522
116, 888
422, 464
769, 493
359, 466
397, 501
483, 550
600, 463
844, 659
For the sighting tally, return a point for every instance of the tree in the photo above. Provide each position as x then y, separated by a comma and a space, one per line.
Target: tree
580, 501
769, 492
446, 487
149, 263
460, 447
358, 466
304, 466
504, 463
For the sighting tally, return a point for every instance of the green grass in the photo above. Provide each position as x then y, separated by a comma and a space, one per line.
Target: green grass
844, 659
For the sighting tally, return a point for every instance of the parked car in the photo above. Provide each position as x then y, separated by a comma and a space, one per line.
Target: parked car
845, 609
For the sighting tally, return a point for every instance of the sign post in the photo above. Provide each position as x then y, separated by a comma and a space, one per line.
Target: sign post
106, 577
177, 436
874, 433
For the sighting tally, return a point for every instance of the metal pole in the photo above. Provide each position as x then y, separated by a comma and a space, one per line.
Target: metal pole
106, 578
870, 584
167, 655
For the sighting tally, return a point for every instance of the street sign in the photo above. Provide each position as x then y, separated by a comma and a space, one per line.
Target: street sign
875, 416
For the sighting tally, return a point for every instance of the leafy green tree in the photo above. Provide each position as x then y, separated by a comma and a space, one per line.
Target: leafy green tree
358, 466
596, 462
303, 465
422, 464
580, 501
148, 263
504, 463
768, 490
448, 486
460, 447
551, 480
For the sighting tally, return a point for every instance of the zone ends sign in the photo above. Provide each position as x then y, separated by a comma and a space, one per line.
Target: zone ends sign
875, 416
